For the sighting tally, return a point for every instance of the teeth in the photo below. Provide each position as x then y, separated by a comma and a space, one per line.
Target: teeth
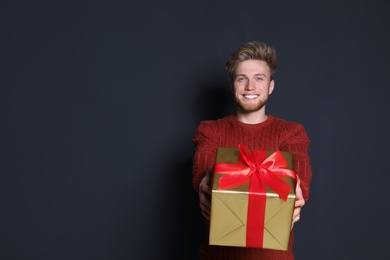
250, 96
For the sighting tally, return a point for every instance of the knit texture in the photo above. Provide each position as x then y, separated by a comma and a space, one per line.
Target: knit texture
272, 134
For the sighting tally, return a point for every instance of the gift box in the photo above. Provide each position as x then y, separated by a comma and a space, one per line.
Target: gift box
253, 197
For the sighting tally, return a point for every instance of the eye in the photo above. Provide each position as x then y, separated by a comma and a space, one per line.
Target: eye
260, 78
240, 79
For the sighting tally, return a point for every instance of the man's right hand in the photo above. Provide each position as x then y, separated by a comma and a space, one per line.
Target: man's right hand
205, 193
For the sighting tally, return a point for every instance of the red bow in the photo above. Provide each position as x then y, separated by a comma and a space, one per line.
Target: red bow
254, 167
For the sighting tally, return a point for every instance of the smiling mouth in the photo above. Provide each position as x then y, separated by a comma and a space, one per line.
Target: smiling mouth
251, 96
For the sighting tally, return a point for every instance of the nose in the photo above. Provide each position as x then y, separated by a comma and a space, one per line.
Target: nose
250, 85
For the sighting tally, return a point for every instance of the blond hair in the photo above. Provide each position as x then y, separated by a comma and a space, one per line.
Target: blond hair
252, 51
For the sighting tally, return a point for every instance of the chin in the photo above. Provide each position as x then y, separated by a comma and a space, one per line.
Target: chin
250, 108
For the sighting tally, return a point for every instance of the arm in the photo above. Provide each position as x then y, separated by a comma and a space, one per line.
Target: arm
205, 140
296, 141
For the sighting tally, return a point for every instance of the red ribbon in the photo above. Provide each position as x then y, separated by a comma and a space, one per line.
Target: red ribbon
257, 169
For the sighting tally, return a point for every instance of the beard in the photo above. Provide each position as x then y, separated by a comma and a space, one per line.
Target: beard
248, 108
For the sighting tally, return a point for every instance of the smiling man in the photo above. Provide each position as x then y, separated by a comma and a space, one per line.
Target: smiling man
252, 84
252, 68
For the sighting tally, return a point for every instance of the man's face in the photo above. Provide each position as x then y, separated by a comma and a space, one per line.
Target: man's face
252, 85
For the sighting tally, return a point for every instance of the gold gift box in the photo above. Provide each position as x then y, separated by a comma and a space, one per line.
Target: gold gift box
229, 209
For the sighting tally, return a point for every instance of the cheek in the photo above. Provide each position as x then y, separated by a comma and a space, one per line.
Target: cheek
236, 90
233, 88
238, 87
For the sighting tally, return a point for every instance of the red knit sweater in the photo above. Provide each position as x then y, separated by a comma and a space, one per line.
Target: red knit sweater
272, 134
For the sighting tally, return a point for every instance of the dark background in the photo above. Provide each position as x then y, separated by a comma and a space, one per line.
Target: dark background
100, 100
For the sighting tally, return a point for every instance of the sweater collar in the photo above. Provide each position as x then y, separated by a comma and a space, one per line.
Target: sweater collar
265, 123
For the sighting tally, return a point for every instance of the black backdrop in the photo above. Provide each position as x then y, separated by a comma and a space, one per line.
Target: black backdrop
100, 99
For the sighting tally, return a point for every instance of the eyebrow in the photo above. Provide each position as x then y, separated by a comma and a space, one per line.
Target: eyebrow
258, 74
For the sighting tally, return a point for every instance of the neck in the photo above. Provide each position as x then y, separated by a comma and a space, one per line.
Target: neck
252, 117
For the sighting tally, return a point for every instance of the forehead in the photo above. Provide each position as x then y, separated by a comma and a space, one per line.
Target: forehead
252, 67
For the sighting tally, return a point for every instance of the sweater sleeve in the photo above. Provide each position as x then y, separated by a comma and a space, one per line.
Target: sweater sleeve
296, 141
205, 140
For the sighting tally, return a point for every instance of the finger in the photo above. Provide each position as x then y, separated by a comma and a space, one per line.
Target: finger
206, 214
296, 214
204, 198
204, 201
204, 189
297, 218
299, 203
205, 208
298, 190
204, 186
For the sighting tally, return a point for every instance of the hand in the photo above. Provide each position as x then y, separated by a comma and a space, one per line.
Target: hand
205, 193
299, 202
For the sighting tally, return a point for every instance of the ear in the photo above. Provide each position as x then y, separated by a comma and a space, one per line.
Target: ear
232, 87
271, 87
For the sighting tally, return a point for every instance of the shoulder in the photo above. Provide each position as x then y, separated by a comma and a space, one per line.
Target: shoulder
285, 124
213, 124
289, 128
209, 129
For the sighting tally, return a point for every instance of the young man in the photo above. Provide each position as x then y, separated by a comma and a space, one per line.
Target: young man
251, 67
